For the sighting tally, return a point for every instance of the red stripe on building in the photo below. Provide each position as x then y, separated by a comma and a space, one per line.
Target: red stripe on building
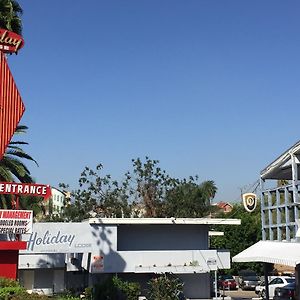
11, 105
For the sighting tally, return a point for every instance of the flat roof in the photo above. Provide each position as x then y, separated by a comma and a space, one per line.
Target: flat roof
165, 221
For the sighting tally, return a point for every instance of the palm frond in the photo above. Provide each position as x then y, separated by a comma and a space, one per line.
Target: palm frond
17, 143
6, 201
10, 16
16, 7
14, 147
17, 169
21, 129
12, 169
21, 154
5, 174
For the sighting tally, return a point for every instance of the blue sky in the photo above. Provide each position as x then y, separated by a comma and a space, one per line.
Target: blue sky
206, 87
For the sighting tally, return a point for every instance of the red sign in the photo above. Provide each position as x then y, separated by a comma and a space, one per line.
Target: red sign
11, 105
10, 42
97, 265
33, 189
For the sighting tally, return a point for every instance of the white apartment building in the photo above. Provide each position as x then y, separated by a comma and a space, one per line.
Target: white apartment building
57, 201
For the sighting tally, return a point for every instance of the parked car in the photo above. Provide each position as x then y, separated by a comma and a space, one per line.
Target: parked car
259, 288
248, 279
227, 282
279, 281
249, 282
286, 292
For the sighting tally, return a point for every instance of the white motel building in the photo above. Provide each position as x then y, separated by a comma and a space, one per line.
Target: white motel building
63, 256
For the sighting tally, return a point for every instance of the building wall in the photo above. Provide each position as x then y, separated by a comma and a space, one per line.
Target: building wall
56, 203
58, 200
9, 263
195, 285
43, 281
166, 237
132, 251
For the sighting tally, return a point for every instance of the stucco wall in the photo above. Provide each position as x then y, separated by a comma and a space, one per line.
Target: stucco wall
162, 237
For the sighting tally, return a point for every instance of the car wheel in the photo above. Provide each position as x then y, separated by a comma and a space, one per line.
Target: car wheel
263, 294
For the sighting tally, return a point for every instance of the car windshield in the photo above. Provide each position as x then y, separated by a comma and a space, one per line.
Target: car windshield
226, 277
252, 278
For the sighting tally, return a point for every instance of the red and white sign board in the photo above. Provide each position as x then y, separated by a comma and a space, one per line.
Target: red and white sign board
97, 264
15, 221
10, 42
11, 104
25, 189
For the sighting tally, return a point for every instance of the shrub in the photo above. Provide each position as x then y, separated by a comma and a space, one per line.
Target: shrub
105, 290
130, 290
88, 293
11, 290
117, 289
26, 296
165, 287
5, 282
67, 295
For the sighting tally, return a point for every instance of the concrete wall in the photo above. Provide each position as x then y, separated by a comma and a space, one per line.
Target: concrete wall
188, 261
41, 261
43, 281
162, 237
196, 285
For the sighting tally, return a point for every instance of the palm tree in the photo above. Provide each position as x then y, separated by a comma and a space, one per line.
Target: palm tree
12, 169
10, 16
209, 189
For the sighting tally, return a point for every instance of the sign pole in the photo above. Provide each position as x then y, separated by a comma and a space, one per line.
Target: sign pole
18, 236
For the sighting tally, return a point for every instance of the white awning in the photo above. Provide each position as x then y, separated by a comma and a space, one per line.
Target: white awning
285, 253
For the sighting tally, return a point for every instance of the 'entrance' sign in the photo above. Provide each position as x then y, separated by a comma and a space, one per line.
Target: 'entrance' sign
25, 189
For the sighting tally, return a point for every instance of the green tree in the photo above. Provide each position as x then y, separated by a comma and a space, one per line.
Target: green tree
209, 189
12, 169
159, 194
10, 16
238, 238
32, 203
189, 199
98, 196
150, 185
